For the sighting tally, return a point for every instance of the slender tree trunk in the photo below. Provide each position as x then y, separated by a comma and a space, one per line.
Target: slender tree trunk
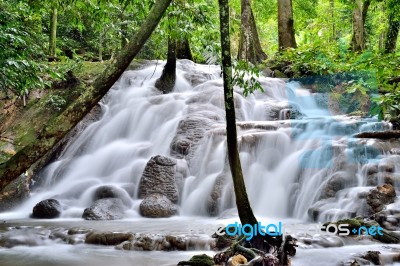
332, 9
167, 80
183, 49
124, 32
249, 45
359, 17
53, 33
242, 202
286, 25
61, 125
101, 46
392, 34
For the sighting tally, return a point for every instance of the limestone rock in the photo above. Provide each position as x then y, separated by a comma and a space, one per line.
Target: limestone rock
104, 192
47, 209
379, 197
105, 209
157, 206
159, 177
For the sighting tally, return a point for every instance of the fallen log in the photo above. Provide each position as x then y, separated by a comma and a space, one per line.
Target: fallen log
390, 134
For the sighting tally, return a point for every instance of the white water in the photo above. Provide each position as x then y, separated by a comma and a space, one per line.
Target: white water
286, 163
285, 169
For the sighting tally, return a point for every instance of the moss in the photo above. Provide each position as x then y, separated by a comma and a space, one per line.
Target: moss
198, 260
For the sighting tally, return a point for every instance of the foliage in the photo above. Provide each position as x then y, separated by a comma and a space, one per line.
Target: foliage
55, 103
364, 73
245, 76
20, 66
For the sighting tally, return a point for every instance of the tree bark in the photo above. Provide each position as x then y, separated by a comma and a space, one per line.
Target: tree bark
242, 202
286, 25
332, 9
183, 49
249, 44
53, 33
392, 34
60, 126
168, 77
360, 11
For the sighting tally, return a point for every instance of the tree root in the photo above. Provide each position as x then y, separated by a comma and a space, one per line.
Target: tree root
280, 256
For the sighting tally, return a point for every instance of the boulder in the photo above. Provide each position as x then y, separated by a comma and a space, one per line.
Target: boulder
157, 206
379, 197
335, 183
159, 177
47, 209
193, 128
214, 199
105, 209
105, 192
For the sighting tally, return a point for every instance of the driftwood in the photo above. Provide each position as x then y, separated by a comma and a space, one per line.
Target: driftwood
390, 134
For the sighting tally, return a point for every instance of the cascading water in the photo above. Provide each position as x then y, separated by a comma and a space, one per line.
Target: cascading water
299, 160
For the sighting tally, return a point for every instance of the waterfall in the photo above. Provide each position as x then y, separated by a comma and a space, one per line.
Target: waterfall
299, 159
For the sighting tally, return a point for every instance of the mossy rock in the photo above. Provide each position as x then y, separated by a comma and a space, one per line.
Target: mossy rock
198, 260
353, 223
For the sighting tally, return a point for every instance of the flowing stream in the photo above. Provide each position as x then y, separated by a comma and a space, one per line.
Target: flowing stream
300, 162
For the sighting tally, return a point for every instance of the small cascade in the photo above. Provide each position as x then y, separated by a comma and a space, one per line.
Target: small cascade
299, 160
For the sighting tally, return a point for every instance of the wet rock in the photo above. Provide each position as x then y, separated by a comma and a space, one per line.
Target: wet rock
157, 206
372, 180
386, 166
78, 231
107, 238
159, 178
372, 256
192, 129
379, 197
105, 192
105, 209
47, 209
214, 198
370, 169
334, 184
146, 243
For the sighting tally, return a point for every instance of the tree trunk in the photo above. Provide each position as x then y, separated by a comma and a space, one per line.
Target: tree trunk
249, 44
167, 80
359, 17
53, 33
286, 25
242, 202
392, 33
332, 9
61, 125
183, 50
101, 46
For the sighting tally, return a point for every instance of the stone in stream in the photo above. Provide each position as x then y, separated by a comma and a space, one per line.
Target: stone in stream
104, 192
107, 238
105, 209
379, 197
157, 206
47, 209
159, 177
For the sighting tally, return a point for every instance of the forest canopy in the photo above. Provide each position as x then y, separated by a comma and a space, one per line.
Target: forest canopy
42, 41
